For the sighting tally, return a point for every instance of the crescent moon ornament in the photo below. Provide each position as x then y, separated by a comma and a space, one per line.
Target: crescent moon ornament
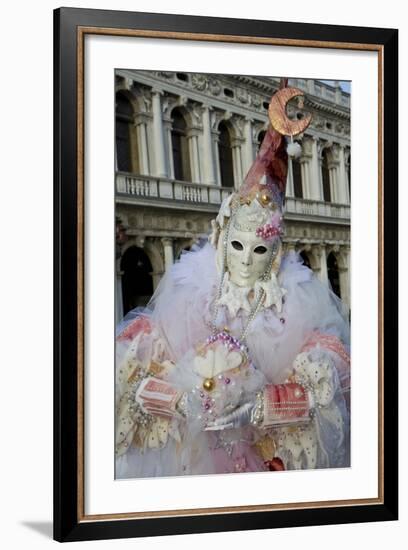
278, 117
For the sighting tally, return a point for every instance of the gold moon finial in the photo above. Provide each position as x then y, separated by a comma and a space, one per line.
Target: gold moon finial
278, 117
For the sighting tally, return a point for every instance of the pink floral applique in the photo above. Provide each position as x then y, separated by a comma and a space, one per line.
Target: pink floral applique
329, 342
140, 324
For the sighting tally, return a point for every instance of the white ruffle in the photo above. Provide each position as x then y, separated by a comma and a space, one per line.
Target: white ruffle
321, 443
273, 292
180, 313
234, 297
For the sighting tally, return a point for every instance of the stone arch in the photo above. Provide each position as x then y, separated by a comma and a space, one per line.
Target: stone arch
150, 247
137, 283
153, 249
124, 117
306, 259
127, 94
325, 162
180, 124
343, 259
186, 110
137, 95
329, 162
183, 244
347, 158
236, 127
333, 272
225, 140
260, 137
309, 252
154, 252
259, 130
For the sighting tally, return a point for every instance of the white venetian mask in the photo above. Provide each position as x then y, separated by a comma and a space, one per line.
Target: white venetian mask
248, 257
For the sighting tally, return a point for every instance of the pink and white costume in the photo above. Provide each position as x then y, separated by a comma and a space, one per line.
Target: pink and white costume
256, 377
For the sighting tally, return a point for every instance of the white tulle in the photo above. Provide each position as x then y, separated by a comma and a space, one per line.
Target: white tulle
181, 313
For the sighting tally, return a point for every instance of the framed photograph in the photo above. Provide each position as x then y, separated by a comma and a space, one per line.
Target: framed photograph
225, 274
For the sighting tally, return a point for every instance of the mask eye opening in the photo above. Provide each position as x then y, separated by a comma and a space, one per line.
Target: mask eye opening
237, 245
260, 249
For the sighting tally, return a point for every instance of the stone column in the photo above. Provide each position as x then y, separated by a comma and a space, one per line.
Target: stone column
289, 247
194, 156
311, 87
290, 191
333, 183
323, 274
237, 162
118, 293
344, 286
344, 276
249, 148
156, 277
209, 164
158, 132
344, 188
168, 252
305, 178
217, 159
316, 172
348, 174
338, 93
169, 148
143, 149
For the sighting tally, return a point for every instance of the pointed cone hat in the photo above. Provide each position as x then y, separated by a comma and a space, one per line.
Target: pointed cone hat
266, 179
258, 204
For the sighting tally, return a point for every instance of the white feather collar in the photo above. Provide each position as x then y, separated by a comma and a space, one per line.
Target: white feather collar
235, 297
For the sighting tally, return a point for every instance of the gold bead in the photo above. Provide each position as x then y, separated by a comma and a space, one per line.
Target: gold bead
208, 384
265, 199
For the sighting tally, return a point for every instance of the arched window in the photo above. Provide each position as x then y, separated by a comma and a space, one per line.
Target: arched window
181, 157
349, 174
137, 284
124, 117
225, 156
297, 178
305, 259
260, 139
326, 176
333, 273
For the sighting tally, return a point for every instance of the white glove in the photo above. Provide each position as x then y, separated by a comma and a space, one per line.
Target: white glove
242, 416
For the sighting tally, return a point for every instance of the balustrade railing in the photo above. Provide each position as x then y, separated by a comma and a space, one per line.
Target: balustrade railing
309, 207
150, 187
167, 189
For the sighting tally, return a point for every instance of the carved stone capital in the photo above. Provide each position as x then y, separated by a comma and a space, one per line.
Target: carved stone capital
167, 241
140, 240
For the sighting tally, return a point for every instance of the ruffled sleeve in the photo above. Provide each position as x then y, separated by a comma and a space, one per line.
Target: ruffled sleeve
140, 353
322, 369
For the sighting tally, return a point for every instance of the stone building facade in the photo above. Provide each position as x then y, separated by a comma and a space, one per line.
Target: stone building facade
185, 140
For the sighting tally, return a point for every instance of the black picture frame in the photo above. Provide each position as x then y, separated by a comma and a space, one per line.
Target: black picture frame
70, 524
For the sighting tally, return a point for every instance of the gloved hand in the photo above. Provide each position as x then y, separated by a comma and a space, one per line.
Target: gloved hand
242, 416
285, 402
158, 397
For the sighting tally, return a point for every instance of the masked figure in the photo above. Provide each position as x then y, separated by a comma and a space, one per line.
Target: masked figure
240, 362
